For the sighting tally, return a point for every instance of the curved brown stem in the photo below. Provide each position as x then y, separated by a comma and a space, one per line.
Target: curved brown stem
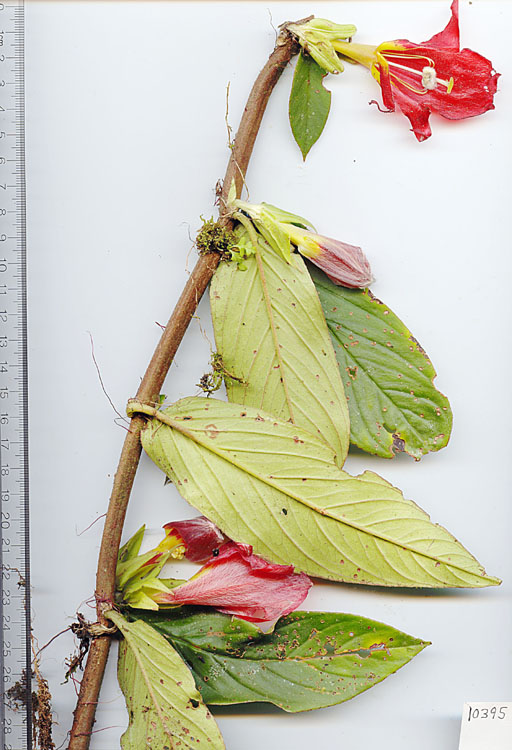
152, 382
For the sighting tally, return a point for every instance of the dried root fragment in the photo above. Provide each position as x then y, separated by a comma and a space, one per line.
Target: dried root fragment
42, 712
21, 697
212, 381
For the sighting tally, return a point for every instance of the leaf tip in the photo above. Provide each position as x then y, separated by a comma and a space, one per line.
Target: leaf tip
493, 581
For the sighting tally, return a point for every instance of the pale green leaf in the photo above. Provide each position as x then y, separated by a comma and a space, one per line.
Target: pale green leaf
271, 333
309, 104
308, 660
165, 708
274, 485
392, 400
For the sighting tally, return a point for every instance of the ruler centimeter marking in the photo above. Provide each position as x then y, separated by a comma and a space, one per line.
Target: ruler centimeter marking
15, 646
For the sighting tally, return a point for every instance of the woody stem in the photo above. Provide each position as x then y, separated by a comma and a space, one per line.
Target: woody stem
150, 387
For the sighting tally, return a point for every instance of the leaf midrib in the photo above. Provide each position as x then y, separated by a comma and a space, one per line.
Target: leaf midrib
290, 658
270, 313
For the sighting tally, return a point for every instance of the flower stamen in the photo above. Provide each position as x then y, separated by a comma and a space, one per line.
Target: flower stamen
429, 79
407, 85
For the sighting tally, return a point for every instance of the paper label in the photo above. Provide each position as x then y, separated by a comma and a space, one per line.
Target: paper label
486, 725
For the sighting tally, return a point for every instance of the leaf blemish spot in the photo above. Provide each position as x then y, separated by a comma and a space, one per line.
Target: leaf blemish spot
211, 431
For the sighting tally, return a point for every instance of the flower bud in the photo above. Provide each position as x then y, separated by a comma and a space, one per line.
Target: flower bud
346, 265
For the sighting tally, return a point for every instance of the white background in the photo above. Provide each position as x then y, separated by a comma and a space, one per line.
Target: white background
125, 141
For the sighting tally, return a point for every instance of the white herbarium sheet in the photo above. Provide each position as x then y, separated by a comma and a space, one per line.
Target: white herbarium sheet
126, 139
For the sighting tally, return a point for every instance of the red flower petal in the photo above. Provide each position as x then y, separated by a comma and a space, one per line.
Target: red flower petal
386, 88
448, 38
239, 583
199, 536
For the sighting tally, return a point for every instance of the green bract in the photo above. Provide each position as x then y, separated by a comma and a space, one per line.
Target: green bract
317, 35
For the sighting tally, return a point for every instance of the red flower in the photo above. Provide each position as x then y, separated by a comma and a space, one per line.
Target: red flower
239, 583
198, 536
435, 76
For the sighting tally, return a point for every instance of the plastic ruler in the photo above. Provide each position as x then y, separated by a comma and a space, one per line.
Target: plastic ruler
15, 647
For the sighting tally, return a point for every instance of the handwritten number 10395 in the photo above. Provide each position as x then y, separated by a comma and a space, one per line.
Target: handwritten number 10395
495, 712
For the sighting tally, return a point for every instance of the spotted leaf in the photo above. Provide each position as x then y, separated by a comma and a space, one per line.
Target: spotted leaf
388, 377
308, 660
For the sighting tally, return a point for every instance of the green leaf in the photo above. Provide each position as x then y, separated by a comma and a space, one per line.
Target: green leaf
309, 104
309, 660
165, 708
274, 485
388, 377
131, 548
271, 333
